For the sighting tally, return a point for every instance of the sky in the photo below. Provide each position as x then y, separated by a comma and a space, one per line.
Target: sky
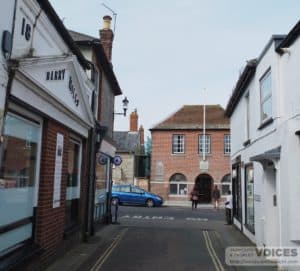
170, 53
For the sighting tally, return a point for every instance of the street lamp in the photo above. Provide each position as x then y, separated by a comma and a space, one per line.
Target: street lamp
125, 107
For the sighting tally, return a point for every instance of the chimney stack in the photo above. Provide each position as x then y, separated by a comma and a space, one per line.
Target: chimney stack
141, 132
107, 36
133, 121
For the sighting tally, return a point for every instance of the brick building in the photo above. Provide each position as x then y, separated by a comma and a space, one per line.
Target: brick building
130, 146
178, 149
46, 142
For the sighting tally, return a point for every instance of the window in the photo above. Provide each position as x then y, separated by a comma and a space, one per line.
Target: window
136, 190
237, 191
73, 183
178, 144
226, 184
249, 191
204, 144
247, 116
125, 188
18, 180
226, 144
178, 185
266, 96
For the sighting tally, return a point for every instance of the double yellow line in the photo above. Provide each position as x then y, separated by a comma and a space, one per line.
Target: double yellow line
216, 261
108, 251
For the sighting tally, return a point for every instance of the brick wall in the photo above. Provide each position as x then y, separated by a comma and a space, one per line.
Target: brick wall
50, 222
164, 164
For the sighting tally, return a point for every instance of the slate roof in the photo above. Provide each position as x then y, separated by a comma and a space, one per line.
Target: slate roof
127, 141
94, 43
80, 37
191, 117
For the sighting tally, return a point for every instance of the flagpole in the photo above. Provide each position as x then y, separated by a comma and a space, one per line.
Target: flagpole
204, 123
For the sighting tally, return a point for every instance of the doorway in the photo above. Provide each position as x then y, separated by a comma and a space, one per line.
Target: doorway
204, 185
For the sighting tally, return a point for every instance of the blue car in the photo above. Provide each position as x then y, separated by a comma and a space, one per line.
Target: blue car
134, 195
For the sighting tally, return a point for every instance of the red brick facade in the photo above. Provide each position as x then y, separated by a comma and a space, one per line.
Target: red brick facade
50, 232
164, 164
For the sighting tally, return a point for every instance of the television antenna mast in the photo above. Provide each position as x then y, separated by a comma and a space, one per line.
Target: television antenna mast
114, 15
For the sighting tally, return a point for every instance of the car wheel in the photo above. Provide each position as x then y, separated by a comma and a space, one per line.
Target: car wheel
115, 201
150, 203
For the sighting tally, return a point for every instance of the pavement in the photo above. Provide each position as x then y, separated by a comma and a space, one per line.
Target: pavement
77, 258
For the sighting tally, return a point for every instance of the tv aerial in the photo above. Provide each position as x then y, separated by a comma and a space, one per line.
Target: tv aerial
114, 15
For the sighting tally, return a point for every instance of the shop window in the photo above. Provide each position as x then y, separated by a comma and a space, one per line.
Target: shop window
18, 179
237, 192
73, 183
226, 184
249, 196
178, 185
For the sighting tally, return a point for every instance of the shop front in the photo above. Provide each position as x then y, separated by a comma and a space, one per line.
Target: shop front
43, 182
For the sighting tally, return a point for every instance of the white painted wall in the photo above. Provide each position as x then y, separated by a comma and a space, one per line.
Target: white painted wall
274, 226
6, 23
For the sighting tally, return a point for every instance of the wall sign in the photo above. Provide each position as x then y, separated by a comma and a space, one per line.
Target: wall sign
26, 29
73, 92
55, 75
58, 170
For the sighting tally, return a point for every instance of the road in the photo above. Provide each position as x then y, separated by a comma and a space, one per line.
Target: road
171, 238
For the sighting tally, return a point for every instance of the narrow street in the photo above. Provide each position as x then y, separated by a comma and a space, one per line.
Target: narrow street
169, 238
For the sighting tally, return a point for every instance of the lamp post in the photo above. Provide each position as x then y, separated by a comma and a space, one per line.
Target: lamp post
125, 107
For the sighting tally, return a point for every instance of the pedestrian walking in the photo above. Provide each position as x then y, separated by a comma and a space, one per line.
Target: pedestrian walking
194, 197
216, 197
228, 208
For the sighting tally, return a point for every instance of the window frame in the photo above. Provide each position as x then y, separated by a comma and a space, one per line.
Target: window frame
181, 143
226, 143
72, 205
263, 100
178, 183
207, 143
31, 118
251, 228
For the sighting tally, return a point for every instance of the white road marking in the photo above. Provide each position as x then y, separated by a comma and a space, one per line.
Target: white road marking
148, 217
197, 219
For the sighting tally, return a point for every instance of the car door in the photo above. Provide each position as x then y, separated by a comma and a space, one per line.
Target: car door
125, 194
138, 195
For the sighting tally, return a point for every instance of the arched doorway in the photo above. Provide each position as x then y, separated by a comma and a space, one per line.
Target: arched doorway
204, 184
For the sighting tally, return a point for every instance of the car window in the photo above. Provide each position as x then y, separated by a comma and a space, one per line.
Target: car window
116, 188
125, 188
136, 190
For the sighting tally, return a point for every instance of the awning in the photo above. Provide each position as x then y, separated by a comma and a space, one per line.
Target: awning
271, 155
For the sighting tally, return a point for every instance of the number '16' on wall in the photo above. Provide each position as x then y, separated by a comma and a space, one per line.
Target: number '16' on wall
26, 29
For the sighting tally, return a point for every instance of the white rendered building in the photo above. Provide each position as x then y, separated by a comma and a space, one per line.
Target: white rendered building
264, 112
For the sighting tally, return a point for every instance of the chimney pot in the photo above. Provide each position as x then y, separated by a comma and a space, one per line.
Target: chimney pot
106, 22
107, 36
